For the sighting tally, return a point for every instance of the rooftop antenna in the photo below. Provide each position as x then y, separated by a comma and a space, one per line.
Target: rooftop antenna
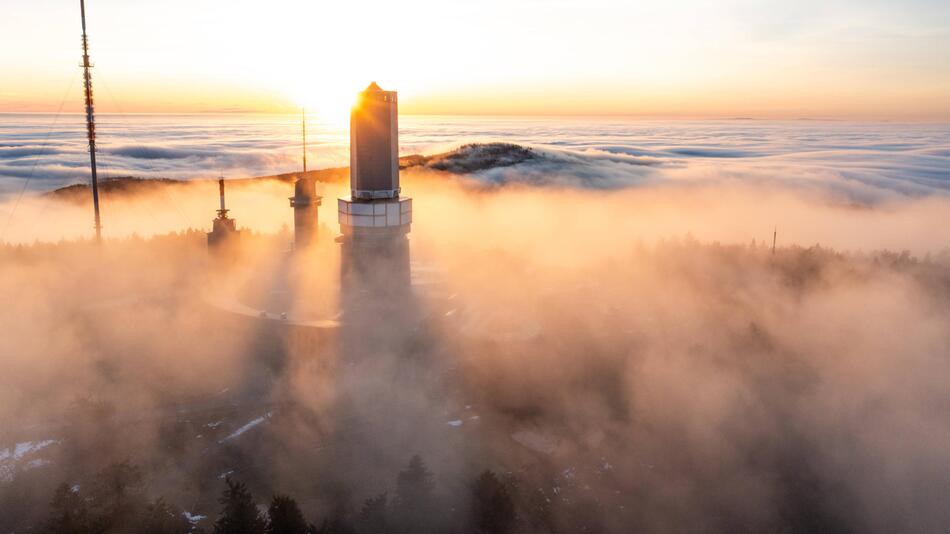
222, 211
303, 123
774, 238
90, 120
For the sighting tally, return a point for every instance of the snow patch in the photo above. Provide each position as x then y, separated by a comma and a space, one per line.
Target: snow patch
253, 423
536, 441
9, 457
39, 462
22, 449
193, 518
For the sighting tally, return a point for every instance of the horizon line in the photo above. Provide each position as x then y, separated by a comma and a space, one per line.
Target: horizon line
577, 116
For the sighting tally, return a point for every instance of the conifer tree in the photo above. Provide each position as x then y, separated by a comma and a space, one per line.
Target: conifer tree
160, 517
118, 497
68, 513
493, 509
336, 523
285, 517
239, 514
414, 497
374, 516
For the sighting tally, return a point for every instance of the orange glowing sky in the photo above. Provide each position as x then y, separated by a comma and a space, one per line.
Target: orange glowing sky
867, 59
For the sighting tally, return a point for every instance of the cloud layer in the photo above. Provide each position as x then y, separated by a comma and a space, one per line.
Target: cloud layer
868, 161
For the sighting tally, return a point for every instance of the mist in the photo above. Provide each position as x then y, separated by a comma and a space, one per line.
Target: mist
628, 355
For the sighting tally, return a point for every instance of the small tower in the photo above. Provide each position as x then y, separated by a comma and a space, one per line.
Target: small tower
224, 232
305, 200
305, 203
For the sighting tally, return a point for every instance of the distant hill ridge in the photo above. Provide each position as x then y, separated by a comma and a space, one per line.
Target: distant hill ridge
466, 159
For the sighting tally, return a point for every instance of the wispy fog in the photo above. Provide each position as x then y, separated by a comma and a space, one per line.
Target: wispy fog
604, 327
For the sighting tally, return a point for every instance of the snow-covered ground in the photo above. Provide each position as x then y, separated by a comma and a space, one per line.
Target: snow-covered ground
253, 423
10, 457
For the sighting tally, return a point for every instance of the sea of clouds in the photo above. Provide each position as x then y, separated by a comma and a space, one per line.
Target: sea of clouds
864, 162
610, 311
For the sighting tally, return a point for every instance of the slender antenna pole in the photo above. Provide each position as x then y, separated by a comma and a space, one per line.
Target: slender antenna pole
774, 238
303, 122
90, 120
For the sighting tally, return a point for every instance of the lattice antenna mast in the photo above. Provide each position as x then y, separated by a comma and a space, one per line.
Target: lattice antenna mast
774, 238
303, 125
90, 120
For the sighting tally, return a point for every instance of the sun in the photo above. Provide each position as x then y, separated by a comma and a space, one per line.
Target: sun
325, 102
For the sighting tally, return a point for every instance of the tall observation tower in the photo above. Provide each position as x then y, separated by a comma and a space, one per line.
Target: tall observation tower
375, 218
374, 145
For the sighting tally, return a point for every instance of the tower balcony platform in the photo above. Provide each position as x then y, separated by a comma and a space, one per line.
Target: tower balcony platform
390, 214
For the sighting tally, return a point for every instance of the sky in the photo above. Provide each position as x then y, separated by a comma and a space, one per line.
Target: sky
847, 59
